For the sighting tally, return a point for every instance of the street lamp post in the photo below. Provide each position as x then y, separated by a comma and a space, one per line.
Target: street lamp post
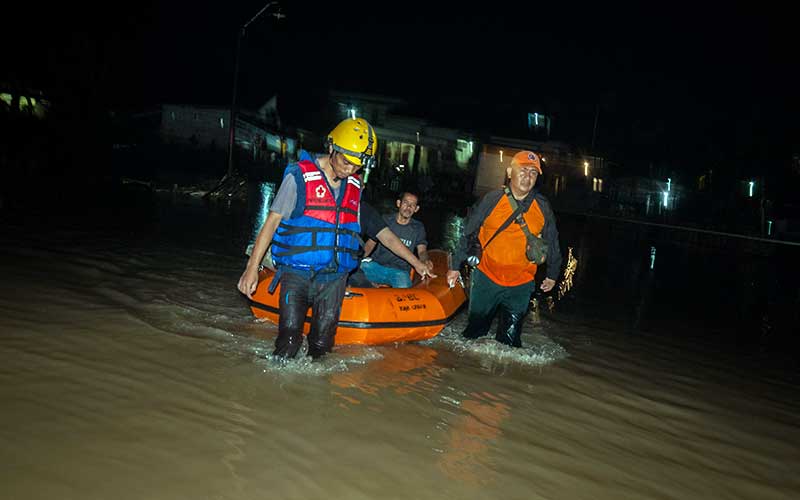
234, 108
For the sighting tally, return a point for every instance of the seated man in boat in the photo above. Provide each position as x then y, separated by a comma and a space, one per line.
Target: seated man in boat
381, 265
376, 228
313, 227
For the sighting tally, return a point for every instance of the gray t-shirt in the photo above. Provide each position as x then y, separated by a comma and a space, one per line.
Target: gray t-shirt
411, 234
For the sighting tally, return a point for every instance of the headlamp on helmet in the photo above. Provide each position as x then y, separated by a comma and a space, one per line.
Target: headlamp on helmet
356, 140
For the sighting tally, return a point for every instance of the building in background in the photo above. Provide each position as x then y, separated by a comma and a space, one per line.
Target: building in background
417, 151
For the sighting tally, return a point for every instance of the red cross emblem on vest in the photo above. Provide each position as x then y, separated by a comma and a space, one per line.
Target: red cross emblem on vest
320, 191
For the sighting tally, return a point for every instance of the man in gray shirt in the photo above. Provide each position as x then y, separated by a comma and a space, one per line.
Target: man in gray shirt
382, 266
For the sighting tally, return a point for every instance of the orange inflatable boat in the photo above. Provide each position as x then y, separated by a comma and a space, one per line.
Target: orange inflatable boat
383, 315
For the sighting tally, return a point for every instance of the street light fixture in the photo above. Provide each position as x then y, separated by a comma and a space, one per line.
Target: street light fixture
234, 109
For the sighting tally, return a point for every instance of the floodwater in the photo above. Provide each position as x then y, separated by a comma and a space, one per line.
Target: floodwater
131, 368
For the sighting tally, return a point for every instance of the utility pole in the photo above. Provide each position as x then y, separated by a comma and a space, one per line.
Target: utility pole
594, 128
594, 135
763, 208
234, 105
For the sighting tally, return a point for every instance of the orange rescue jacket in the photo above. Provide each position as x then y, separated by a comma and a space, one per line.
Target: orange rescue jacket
504, 260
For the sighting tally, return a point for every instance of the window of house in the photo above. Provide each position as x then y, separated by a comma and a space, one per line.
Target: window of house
463, 152
538, 122
348, 110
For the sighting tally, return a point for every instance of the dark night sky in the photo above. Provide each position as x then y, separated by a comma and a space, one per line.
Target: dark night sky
672, 82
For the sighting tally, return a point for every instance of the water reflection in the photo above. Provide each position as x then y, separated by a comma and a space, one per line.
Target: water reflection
677, 281
465, 456
402, 369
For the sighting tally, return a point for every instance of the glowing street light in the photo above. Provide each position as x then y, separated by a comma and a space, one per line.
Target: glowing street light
752, 185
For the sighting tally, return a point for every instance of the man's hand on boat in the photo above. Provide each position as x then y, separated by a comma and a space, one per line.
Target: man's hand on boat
453, 276
424, 269
547, 284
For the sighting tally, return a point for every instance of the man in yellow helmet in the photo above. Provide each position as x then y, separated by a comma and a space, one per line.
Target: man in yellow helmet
313, 227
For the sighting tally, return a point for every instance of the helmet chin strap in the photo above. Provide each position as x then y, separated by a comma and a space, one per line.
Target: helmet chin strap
330, 165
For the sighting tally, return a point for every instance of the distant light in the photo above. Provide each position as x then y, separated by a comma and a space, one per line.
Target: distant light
221, 122
669, 184
470, 146
536, 119
417, 136
752, 185
666, 198
352, 112
586, 169
501, 156
652, 257
769, 228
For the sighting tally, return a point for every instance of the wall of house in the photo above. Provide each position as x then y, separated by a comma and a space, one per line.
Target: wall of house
261, 143
491, 171
201, 126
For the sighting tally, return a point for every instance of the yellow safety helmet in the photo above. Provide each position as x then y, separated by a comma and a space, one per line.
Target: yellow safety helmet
356, 140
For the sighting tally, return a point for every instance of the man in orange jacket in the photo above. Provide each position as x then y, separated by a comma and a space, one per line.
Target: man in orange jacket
503, 279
